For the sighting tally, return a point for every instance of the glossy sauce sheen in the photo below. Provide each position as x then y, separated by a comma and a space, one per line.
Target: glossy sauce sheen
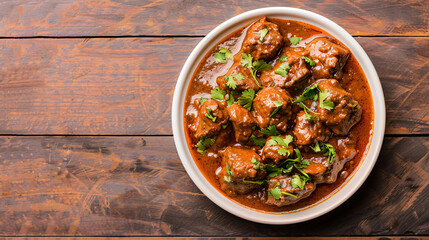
353, 81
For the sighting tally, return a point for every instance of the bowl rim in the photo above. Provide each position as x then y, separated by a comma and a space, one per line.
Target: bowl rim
334, 199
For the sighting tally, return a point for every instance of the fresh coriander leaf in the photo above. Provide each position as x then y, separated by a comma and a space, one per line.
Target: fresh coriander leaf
316, 147
230, 82
218, 94
219, 57
246, 99
230, 100
235, 92
224, 126
271, 130
263, 34
325, 104
308, 117
295, 40
228, 171
258, 141
227, 53
256, 182
227, 179
209, 115
277, 140
261, 65
276, 192
289, 194
278, 105
327, 149
203, 144
273, 170
257, 164
297, 182
283, 69
354, 105
222, 55
202, 100
246, 60
309, 93
283, 59
283, 152
309, 61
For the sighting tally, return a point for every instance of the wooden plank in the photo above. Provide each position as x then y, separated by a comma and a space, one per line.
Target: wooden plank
133, 186
22, 18
125, 86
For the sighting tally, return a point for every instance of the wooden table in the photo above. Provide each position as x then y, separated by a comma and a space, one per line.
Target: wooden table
86, 146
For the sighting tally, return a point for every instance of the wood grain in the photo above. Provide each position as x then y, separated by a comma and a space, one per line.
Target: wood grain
134, 186
125, 85
23, 18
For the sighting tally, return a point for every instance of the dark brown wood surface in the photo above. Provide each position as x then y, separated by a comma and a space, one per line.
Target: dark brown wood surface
85, 124
125, 85
23, 18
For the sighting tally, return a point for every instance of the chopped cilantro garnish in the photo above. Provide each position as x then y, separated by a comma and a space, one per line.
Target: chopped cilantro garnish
283, 69
274, 171
278, 105
256, 182
309, 93
295, 40
325, 104
309, 61
203, 144
202, 100
222, 55
289, 194
263, 34
277, 140
224, 126
271, 130
276, 192
218, 94
327, 149
283, 152
209, 115
257, 164
283, 59
255, 67
230, 100
258, 141
231, 83
246, 99
299, 181
308, 117
354, 105
228, 171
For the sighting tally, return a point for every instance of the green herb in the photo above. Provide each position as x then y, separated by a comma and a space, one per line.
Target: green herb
263, 34
283, 59
299, 181
209, 115
235, 92
283, 69
228, 171
354, 105
218, 94
308, 117
278, 105
257, 164
202, 100
309, 93
224, 126
246, 99
255, 67
277, 140
231, 83
283, 152
258, 141
289, 194
222, 55
271, 130
230, 100
274, 170
276, 192
327, 149
325, 104
295, 40
256, 182
309, 61
203, 144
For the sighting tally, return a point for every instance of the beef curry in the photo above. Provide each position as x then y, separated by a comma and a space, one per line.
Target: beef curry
278, 115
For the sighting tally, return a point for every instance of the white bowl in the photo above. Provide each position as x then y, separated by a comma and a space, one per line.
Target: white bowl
352, 183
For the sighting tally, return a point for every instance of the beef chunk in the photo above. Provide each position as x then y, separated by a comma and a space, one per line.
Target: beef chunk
320, 169
346, 149
306, 132
329, 57
264, 105
207, 127
244, 81
242, 121
283, 182
270, 153
298, 71
345, 113
272, 41
240, 165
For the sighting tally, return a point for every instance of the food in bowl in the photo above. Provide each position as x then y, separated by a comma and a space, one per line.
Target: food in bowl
278, 114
